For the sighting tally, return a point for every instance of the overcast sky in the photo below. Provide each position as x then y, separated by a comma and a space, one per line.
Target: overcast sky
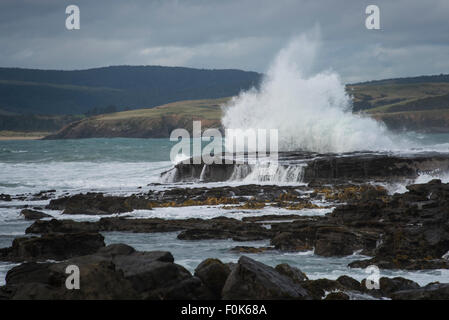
243, 34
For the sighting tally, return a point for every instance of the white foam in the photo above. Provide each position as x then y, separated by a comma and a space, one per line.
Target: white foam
311, 112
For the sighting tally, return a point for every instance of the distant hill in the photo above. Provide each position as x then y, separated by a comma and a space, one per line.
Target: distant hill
383, 97
157, 122
417, 103
419, 106
407, 80
32, 91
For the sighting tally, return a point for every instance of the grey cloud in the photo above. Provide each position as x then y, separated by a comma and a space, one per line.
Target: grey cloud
244, 34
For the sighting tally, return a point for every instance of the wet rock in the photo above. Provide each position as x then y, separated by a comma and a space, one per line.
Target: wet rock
114, 272
318, 288
61, 226
43, 195
349, 283
234, 234
337, 296
33, 214
5, 197
245, 249
435, 291
363, 166
387, 286
52, 246
287, 241
335, 241
295, 274
253, 280
98, 204
213, 273
99, 280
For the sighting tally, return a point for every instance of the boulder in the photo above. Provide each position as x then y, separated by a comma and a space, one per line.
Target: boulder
335, 241
254, 280
435, 291
318, 288
98, 204
286, 241
349, 283
293, 273
98, 280
337, 296
213, 273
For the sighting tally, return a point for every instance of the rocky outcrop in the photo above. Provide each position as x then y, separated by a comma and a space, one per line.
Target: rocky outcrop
414, 228
357, 166
435, 291
401, 231
253, 280
193, 229
52, 246
118, 271
114, 272
213, 273
98, 204
5, 197
293, 273
29, 214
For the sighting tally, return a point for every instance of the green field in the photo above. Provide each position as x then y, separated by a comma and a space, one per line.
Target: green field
208, 109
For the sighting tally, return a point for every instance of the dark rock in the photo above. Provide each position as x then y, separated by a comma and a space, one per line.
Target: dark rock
293, 273
114, 272
5, 197
325, 168
337, 296
116, 249
286, 241
253, 280
191, 288
387, 286
53, 246
213, 273
98, 204
99, 280
246, 249
33, 215
61, 226
349, 283
318, 288
435, 291
335, 241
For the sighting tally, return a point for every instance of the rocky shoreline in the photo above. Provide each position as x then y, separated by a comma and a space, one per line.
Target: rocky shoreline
118, 271
408, 231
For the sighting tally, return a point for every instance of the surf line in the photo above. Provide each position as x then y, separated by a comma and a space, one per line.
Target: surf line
198, 310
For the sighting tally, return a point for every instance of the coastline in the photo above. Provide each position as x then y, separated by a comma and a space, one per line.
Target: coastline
20, 138
17, 135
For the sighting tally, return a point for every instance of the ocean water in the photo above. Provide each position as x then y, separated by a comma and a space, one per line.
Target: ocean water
124, 166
